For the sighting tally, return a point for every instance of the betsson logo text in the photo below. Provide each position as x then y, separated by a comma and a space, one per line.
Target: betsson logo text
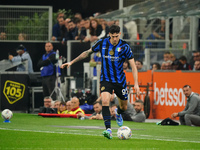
168, 96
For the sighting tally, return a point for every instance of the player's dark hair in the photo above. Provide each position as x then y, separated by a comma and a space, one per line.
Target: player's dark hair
114, 29
186, 86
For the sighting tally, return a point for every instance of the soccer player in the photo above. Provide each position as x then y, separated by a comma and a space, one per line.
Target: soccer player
114, 51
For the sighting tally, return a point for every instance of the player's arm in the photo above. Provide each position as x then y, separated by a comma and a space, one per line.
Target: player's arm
135, 75
83, 55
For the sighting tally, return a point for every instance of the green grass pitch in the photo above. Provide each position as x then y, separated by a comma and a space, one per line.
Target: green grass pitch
29, 131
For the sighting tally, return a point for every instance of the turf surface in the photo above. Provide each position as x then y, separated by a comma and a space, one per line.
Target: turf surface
28, 131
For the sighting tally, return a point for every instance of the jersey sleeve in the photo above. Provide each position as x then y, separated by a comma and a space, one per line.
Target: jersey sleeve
96, 47
128, 52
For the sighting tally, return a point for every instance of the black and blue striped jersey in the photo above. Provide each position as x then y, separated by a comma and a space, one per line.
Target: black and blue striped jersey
112, 59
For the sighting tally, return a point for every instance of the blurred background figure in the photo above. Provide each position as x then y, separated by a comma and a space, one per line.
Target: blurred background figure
47, 106
183, 65
75, 109
58, 30
69, 107
196, 66
139, 65
80, 30
22, 56
126, 65
96, 30
155, 66
195, 57
57, 104
57, 27
87, 28
22, 37
78, 15
62, 108
3, 36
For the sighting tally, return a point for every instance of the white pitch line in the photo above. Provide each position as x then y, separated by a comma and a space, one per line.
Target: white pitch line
133, 137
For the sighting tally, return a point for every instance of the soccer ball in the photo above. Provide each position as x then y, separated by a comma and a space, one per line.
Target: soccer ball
124, 133
6, 114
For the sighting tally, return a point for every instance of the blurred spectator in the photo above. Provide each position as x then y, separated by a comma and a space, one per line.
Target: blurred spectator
156, 66
97, 112
195, 57
3, 36
166, 56
191, 114
96, 30
52, 104
105, 27
78, 15
139, 116
58, 30
183, 65
75, 106
80, 30
163, 66
139, 65
65, 31
62, 108
126, 65
67, 20
196, 65
47, 106
174, 60
22, 56
125, 32
131, 29
87, 27
69, 107
47, 101
168, 65
110, 22
72, 29
22, 37
158, 32
57, 104
57, 26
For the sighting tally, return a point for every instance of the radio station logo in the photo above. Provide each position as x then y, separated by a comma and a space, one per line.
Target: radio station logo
13, 91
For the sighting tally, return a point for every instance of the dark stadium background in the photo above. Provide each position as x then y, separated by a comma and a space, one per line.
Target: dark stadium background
85, 7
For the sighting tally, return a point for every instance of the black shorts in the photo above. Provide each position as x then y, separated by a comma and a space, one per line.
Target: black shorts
120, 90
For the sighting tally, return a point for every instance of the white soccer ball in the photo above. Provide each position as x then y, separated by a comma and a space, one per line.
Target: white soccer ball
124, 133
6, 114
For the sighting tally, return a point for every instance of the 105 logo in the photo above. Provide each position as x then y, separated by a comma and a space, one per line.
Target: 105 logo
13, 91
